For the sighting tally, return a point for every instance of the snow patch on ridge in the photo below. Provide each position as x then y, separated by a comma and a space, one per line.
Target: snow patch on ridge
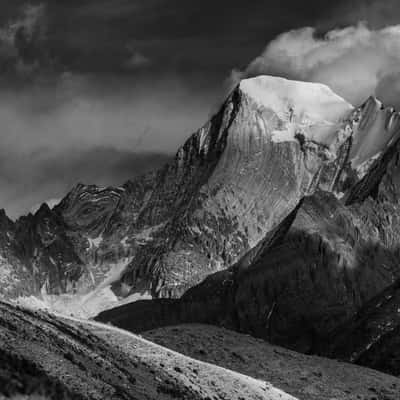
95, 242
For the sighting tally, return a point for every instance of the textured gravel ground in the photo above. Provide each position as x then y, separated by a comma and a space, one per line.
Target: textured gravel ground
306, 377
61, 358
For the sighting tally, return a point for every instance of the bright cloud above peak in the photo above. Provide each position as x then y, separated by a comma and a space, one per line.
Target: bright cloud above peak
355, 61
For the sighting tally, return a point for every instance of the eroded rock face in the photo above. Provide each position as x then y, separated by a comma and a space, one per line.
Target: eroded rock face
36, 255
87, 209
42, 245
14, 280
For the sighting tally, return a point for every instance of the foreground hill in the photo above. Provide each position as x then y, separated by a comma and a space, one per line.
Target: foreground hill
69, 359
305, 377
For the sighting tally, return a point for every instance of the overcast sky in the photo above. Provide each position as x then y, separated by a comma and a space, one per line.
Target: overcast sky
97, 91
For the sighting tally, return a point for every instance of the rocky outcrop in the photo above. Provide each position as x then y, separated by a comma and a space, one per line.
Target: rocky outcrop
14, 278
42, 245
87, 209
134, 198
37, 255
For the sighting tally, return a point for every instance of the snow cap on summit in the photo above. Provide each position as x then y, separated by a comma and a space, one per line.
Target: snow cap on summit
311, 109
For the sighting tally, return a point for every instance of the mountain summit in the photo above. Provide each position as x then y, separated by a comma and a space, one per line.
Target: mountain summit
310, 109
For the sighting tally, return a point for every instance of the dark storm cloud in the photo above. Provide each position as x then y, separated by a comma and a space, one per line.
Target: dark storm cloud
177, 35
95, 36
22, 41
84, 83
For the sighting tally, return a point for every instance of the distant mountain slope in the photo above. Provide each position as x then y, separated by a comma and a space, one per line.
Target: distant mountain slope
305, 377
64, 358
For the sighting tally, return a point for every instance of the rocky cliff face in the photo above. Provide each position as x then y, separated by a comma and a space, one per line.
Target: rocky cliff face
42, 245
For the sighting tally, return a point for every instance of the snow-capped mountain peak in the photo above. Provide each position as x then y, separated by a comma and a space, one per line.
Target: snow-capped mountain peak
310, 109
